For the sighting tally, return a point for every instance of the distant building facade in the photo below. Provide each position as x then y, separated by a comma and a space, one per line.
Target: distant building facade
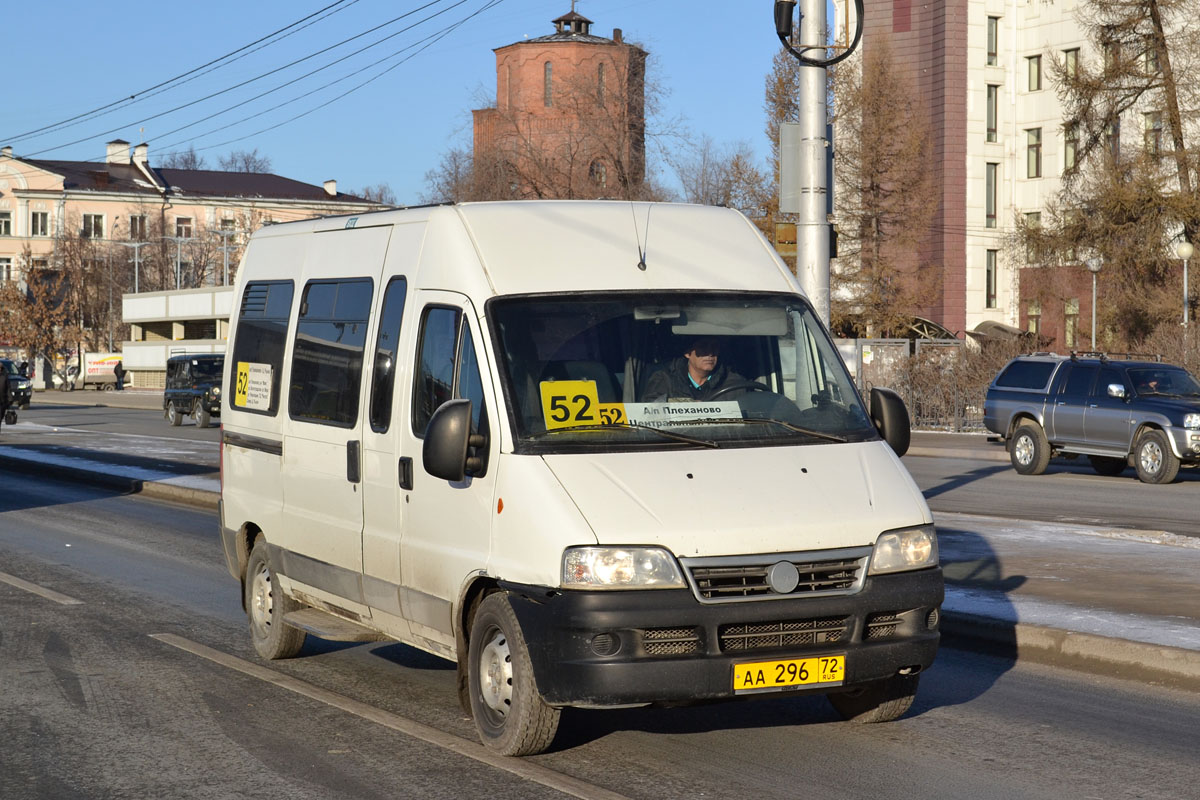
569, 119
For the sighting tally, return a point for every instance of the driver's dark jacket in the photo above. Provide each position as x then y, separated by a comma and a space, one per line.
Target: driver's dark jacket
673, 383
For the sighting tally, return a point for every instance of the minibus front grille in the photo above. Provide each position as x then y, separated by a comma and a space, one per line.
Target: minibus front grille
725, 579
775, 635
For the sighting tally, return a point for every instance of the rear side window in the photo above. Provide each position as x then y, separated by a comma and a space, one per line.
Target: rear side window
259, 344
386, 342
1079, 382
1026, 375
328, 354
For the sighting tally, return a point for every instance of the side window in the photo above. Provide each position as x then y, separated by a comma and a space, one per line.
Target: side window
434, 381
259, 344
1108, 375
383, 378
448, 368
331, 335
1079, 382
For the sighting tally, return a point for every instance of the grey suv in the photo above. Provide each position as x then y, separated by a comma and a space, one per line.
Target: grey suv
1114, 412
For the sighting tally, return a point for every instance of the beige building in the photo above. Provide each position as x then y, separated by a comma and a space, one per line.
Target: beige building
162, 231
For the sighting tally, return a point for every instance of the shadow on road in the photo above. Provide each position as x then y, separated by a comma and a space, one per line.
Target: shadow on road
964, 478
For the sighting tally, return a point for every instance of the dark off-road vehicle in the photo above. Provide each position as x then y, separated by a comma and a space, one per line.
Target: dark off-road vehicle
193, 388
1116, 413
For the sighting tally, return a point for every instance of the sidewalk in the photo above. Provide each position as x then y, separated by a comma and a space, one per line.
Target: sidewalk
1106, 600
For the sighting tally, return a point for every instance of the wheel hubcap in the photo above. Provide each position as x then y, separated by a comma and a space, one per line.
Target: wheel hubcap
261, 601
495, 674
1024, 450
1152, 457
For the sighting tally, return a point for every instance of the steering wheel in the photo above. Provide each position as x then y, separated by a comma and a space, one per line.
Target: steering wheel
752, 386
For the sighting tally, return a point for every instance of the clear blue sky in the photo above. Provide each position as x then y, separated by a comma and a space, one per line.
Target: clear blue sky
68, 58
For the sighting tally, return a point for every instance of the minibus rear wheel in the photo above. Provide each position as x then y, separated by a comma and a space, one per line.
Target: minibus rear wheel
266, 605
510, 715
878, 701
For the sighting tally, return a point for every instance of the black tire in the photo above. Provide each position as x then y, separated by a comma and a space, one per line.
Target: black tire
1030, 451
1153, 458
266, 605
1108, 466
203, 418
510, 715
880, 701
173, 415
109, 387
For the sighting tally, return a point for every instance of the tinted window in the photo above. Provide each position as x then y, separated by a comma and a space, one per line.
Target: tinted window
260, 341
327, 357
386, 343
470, 386
1079, 382
1108, 375
1026, 375
434, 383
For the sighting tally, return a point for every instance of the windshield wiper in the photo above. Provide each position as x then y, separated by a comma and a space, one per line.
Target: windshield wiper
630, 427
833, 437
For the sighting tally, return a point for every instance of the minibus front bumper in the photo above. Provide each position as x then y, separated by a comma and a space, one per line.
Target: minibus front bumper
614, 648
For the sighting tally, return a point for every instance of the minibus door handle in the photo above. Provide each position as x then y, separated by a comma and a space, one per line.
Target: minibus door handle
406, 473
354, 461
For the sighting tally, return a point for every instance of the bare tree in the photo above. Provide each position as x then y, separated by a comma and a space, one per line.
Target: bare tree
35, 316
245, 161
378, 193
885, 197
724, 176
183, 159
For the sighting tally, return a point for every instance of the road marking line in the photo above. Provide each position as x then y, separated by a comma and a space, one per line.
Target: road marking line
41, 591
519, 767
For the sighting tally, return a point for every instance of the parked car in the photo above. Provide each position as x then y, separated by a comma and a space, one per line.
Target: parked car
1116, 413
19, 384
193, 388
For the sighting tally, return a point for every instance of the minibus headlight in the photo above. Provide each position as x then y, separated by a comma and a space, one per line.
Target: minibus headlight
620, 568
1191, 421
905, 549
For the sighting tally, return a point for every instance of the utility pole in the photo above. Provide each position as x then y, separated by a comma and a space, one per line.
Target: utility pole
808, 194
137, 260
226, 248
178, 240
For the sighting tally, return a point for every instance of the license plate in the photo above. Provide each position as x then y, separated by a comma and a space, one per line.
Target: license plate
766, 676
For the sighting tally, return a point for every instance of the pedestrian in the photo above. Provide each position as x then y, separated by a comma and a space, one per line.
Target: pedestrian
4, 390
119, 371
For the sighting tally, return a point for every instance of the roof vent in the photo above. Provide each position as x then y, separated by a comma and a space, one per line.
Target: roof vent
117, 152
331, 188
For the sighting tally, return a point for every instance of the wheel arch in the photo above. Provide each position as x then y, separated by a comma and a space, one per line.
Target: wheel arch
1151, 425
1020, 418
243, 542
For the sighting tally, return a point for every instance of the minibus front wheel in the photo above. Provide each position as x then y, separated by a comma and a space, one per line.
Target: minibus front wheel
510, 715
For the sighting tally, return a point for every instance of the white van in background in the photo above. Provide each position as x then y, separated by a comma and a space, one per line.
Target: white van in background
447, 426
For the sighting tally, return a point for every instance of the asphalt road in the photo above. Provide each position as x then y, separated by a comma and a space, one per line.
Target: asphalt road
147, 687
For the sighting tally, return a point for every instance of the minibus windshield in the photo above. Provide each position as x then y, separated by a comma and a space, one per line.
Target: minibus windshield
680, 369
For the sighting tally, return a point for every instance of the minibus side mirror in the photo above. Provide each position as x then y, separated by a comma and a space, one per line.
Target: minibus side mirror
447, 439
891, 418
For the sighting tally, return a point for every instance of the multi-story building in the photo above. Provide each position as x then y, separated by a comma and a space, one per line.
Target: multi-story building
569, 118
982, 70
191, 222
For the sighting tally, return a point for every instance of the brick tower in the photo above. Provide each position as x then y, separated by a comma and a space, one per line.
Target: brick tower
569, 118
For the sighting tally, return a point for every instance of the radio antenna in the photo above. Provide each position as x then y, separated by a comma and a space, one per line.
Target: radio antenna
641, 246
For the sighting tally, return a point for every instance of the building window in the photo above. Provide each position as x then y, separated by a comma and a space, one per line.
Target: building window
1033, 153
993, 41
93, 226
993, 110
1033, 221
1112, 138
1070, 146
1153, 132
598, 172
1071, 322
6, 270
1071, 62
1110, 47
1035, 73
990, 289
5, 223
1033, 313
137, 227
508, 87
990, 189
228, 224
183, 227
600, 84
39, 223
547, 90
1151, 59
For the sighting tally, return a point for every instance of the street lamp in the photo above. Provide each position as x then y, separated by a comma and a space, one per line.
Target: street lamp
1093, 264
137, 259
178, 240
1184, 250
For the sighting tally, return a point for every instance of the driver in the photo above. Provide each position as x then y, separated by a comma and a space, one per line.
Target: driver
695, 376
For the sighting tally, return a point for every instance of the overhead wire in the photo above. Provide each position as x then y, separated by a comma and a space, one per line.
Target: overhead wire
248, 80
190, 75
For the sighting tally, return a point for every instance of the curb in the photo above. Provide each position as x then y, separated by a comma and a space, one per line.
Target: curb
159, 490
996, 454
1086, 652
